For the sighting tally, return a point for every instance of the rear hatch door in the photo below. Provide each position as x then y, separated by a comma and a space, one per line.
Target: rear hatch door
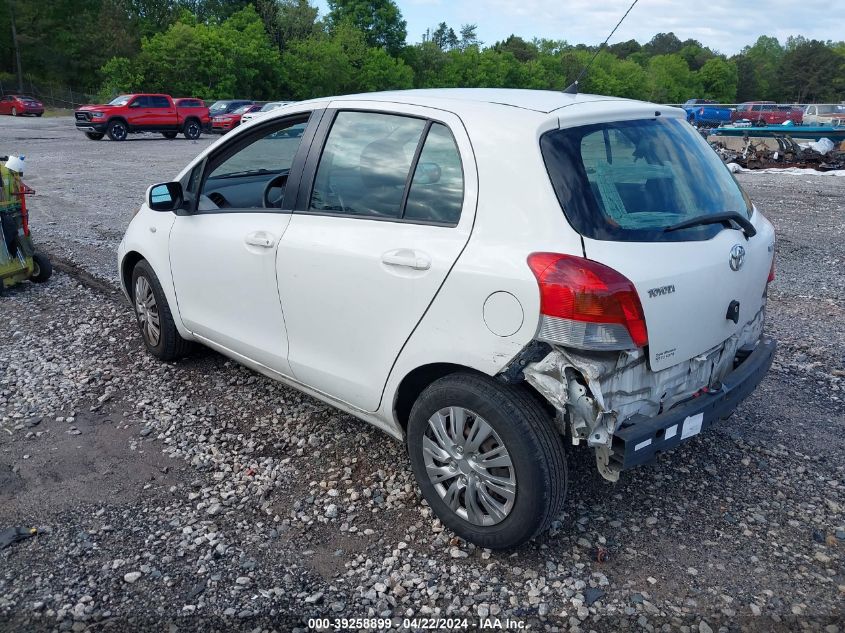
624, 186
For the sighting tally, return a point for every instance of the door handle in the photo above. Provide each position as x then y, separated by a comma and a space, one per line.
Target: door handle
407, 258
262, 239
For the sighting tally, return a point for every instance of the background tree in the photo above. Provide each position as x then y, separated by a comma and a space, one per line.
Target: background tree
379, 20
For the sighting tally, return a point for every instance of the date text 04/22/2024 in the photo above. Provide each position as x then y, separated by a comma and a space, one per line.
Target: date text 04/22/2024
407, 624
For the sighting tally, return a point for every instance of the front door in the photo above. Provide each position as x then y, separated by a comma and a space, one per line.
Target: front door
223, 253
380, 220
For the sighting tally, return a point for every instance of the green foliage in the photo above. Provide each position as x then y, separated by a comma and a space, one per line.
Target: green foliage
719, 80
811, 71
276, 49
379, 20
119, 77
325, 66
229, 60
671, 80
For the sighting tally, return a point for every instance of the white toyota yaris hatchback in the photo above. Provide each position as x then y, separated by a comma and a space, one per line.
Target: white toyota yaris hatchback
488, 275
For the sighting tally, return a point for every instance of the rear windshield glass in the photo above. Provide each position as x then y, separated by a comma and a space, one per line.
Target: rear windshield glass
629, 180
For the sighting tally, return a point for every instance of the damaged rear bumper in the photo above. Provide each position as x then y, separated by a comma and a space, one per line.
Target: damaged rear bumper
639, 439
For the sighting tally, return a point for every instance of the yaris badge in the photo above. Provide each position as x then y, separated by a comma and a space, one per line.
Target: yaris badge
737, 257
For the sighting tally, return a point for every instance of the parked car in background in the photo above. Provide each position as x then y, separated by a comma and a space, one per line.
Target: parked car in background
706, 113
191, 106
222, 123
267, 107
226, 106
131, 114
18, 105
362, 250
825, 114
762, 113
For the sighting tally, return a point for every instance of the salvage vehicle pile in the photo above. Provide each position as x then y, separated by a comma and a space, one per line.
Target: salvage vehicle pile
781, 151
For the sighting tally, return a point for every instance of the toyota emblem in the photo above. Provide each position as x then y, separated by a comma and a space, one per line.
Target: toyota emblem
737, 257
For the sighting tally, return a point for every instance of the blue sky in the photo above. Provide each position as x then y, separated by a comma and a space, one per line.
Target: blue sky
725, 25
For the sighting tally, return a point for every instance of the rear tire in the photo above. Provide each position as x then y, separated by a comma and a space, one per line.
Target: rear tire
499, 505
38, 114
43, 268
95, 136
169, 135
152, 312
192, 129
117, 131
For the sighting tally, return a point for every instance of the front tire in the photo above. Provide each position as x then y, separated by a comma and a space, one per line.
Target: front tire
153, 315
42, 268
95, 136
117, 131
488, 459
169, 135
193, 130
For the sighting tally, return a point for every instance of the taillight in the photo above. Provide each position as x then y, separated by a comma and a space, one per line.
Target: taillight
771, 272
586, 304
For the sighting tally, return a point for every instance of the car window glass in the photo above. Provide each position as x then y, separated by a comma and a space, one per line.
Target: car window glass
141, 102
159, 102
630, 180
437, 189
365, 163
255, 176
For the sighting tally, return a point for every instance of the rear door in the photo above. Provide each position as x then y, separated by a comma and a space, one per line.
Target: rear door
639, 178
385, 208
162, 113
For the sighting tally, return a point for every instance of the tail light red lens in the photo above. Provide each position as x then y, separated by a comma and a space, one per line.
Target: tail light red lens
580, 290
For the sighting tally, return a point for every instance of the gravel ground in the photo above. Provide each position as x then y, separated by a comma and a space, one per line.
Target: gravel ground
202, 496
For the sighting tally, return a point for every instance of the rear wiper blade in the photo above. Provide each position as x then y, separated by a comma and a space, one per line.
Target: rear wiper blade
716, 218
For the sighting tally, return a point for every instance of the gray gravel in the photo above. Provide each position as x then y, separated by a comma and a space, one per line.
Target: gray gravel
202, 496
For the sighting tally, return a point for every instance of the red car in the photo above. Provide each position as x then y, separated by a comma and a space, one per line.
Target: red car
191, 106
128, 114
17, 105
226, 122
762, 113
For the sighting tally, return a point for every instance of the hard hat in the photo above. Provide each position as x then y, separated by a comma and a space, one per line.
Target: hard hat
15, 163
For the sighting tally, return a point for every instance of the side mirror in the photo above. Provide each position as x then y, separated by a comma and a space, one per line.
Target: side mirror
427, 174
165, 197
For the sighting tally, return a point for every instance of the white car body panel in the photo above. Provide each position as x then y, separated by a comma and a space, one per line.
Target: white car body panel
345, 303
226, 286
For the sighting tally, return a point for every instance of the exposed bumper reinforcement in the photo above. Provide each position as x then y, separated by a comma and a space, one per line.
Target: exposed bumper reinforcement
641, 438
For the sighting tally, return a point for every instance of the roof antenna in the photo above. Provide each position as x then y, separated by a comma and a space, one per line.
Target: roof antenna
572, 89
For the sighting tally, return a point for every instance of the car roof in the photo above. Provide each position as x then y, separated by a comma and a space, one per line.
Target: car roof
462, 100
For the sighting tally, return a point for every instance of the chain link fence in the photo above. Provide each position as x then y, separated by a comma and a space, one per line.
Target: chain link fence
51, 95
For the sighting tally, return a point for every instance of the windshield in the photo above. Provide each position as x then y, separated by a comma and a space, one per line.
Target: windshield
121, 100
272, 106
831, 109
242, 109
628, 181
219, 106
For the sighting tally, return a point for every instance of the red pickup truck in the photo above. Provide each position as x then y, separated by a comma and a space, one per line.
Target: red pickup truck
762, 113
128, 114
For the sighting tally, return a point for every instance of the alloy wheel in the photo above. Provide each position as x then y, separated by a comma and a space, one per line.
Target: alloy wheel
147, 310
469, 466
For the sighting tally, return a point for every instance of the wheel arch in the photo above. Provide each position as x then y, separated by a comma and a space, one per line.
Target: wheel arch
130, 260
415, 382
